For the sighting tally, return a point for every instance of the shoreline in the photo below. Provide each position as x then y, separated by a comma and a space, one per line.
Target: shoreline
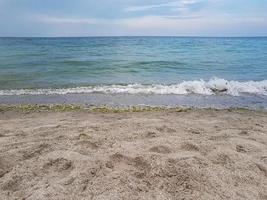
128, 100
31, 108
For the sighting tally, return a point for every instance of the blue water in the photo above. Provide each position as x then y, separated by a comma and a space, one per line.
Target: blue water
133, 65
65, 62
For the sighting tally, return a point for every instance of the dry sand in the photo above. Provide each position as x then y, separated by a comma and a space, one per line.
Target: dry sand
197, 154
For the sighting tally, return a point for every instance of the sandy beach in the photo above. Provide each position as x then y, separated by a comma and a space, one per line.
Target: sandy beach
193, 154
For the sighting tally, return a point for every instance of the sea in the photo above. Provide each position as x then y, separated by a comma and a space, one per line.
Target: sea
217, 72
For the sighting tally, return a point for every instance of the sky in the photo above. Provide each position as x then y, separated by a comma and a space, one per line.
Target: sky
133, 18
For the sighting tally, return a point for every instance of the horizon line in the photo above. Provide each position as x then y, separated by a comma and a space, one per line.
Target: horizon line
107, 36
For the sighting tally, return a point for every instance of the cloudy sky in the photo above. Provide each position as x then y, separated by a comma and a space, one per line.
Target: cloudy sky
133, 17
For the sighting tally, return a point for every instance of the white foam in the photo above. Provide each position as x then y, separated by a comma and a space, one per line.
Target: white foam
211, 87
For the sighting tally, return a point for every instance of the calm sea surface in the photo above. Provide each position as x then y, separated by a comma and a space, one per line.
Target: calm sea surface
134, 66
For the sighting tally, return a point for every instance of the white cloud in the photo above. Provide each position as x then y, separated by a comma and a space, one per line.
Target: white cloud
64, 20
191, 26
175, 4
186, 25
148, 7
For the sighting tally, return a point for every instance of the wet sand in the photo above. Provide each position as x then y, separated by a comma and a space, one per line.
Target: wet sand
195, 154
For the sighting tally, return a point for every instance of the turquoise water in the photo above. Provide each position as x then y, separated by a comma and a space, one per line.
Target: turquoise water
133, 65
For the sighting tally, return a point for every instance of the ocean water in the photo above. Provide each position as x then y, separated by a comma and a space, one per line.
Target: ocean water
170, 71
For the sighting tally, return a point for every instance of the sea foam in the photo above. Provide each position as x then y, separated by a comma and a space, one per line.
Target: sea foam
211, 87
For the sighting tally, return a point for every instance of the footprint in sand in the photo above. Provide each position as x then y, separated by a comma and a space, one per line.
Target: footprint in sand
88, 144
243, 133
189, 147
241, 149
119, 159
165, 129
151, 135
222, 159
195, 131
12, 183
60, 165
5, 166
36, 151
160, 149
262, 168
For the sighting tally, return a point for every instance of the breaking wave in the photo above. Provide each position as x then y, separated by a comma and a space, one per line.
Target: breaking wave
211, 87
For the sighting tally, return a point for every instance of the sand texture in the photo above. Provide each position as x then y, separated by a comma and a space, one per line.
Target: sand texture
196, 154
